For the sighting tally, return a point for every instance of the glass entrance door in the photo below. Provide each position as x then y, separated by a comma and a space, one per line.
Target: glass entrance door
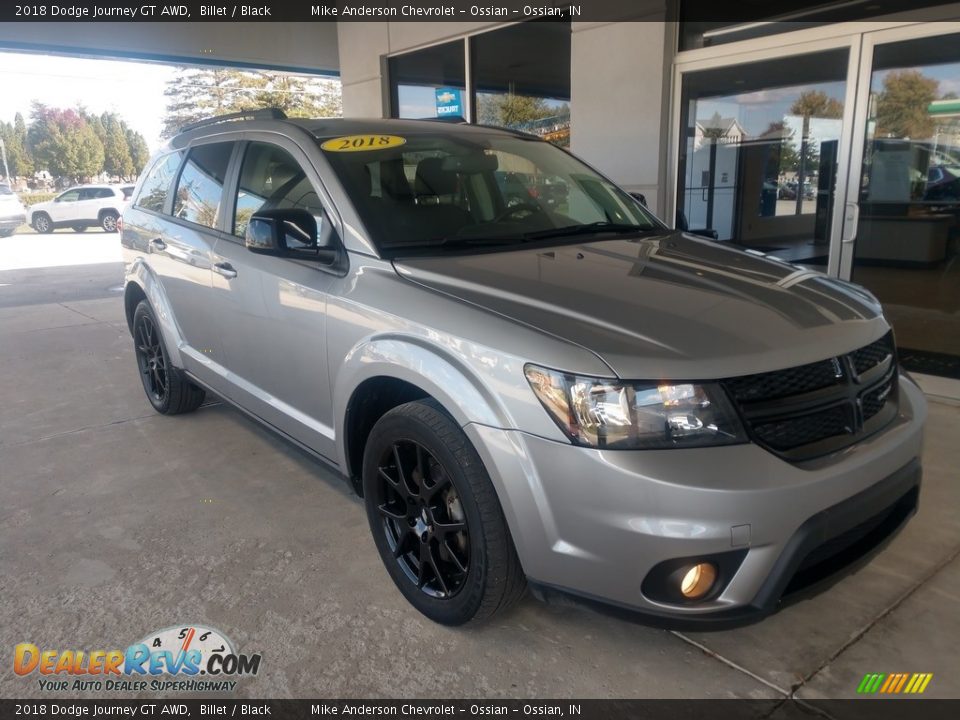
906, 181
762, 146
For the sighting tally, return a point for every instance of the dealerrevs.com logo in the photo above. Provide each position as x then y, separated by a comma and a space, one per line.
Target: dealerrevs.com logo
190, 658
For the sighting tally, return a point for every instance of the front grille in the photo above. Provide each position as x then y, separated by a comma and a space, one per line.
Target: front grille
793, 381
791, 432
818, 408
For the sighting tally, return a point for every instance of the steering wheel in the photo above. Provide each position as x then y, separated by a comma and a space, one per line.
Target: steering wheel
530, 208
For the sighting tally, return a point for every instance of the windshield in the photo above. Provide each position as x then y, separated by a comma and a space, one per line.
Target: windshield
5, 190
437, 192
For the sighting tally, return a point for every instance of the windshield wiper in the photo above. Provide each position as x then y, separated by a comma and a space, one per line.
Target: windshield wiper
588, 229
457, 241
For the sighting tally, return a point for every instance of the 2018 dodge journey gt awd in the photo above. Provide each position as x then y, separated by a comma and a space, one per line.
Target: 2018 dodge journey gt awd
566, 394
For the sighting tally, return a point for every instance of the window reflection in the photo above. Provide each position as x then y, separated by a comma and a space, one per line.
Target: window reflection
200, 187
908, 237
758, 164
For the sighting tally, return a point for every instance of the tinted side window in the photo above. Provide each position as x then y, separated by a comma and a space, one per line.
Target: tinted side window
69, 196
270, 179
104, 193
153, 193
200, 187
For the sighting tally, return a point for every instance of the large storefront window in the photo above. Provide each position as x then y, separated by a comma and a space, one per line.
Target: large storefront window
521, 78
758, 160
429, 83
907, 248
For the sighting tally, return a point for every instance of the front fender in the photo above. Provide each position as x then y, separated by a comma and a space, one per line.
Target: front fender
414, 360
142, 275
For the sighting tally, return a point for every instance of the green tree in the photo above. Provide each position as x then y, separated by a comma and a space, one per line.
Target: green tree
116, 151
298, 96
197, 93
139, 152
510, 110
902, 105
18, 158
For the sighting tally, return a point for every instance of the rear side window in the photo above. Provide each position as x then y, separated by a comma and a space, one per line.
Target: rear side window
200, 187
271, 179
153, 192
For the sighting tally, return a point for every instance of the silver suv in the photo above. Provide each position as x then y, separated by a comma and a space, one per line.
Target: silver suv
568, 395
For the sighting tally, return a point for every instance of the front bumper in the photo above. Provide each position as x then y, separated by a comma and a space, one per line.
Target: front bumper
594, 523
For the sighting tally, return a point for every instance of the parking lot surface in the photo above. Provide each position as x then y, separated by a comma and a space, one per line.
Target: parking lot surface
116, 521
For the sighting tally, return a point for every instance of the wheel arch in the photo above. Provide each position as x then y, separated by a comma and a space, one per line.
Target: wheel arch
142, 284
390, 371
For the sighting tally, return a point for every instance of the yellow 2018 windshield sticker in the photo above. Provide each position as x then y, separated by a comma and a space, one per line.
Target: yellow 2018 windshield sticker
360, 143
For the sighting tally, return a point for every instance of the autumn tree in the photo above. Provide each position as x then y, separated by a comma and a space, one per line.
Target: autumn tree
902, 105
64, 143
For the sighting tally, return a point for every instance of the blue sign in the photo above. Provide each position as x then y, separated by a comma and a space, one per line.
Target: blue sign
448, 102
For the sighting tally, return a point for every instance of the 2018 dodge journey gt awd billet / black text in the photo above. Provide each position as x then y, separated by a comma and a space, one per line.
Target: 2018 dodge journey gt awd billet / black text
565, 393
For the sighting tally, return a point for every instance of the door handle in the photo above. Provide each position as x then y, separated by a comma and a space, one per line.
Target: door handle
158, 244
225, 269
851, 218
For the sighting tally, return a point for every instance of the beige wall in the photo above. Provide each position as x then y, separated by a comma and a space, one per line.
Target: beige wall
617, 101
310, 46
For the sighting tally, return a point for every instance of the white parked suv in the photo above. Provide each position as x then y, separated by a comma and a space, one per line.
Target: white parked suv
80, 207
12, 212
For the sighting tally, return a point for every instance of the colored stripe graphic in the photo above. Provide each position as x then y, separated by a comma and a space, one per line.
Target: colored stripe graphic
894, 683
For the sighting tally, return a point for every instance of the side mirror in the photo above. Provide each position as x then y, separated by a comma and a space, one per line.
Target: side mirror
639, 197
290, 233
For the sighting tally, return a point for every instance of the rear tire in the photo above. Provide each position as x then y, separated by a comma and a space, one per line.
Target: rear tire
7, 233
42, 223
436, 519
108, 221
168, 389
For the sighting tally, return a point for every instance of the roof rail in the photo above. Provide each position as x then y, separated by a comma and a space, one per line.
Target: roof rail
262, 114
452, 119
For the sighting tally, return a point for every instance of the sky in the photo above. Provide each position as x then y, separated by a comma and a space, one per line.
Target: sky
134, 90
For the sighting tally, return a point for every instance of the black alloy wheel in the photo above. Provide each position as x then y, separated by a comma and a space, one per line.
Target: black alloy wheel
151, 359
168, 388
436, 518
422, 519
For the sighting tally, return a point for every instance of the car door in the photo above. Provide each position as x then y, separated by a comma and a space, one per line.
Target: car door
272, 310
86, 207
65, 206
179, 242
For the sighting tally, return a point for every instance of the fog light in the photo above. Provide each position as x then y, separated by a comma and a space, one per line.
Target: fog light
698, 580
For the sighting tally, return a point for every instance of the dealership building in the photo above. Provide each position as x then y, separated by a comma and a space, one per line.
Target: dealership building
827, 134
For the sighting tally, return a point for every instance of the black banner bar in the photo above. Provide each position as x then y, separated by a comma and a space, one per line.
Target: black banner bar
458, 10
873, 708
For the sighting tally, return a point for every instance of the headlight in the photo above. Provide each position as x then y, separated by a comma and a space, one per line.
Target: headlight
622, 415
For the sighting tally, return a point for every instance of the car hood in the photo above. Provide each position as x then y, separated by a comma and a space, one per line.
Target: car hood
665, 307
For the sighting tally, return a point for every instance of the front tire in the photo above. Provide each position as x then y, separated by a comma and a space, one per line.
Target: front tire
168, 389
436, 519
42, 223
